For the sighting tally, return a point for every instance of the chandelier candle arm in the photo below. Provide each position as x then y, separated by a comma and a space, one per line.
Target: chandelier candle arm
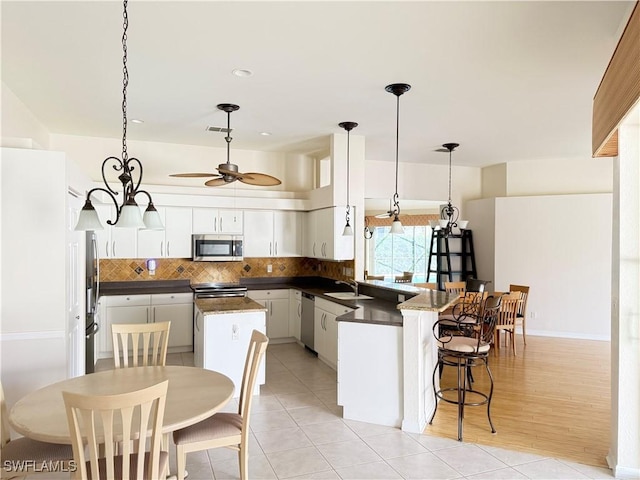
348, 126
127, 213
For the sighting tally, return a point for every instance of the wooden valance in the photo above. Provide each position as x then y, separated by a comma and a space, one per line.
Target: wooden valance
619, 90
407, 220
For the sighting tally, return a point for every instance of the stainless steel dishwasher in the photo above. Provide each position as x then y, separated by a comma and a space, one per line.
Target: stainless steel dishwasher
306, 322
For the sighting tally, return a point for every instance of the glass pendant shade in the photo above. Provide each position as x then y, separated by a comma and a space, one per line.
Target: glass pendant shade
130, 216
151, 219
396, 226
348, 231
88, 218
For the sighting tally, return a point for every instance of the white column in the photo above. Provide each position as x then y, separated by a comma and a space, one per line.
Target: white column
623, 456
419, 358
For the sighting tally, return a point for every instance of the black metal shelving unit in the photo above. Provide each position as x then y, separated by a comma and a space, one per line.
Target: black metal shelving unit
455, 258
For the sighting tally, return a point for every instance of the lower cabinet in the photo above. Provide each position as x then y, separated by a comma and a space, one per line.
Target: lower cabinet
277, 304
325, 330
295, 313
174, 307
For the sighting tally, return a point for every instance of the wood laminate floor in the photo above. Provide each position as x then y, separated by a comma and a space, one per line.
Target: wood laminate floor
552, 399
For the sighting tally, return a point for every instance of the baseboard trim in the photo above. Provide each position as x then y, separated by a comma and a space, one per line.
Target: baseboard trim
578, 336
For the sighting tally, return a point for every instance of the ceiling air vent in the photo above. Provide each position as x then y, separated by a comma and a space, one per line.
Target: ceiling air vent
219, 129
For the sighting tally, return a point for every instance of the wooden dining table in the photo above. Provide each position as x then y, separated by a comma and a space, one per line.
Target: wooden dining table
193, 394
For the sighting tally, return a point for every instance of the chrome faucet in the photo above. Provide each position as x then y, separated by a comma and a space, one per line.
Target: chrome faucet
352, 283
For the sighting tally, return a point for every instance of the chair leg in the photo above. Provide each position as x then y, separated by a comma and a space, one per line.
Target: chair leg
181, 461
486, 364
461, 377
513, 339
524, 330
435, 393
243, 458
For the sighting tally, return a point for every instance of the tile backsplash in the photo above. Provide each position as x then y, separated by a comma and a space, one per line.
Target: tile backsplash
128, 269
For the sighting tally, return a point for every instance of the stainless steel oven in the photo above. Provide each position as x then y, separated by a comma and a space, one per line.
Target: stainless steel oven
216, 248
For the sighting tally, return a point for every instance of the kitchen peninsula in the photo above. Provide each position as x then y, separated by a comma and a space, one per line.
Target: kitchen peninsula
385, 362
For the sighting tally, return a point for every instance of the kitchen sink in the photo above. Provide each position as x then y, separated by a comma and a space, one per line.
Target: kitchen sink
347, 296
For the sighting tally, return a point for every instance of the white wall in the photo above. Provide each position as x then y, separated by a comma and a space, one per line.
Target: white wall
481, 215
561, 247
20, 128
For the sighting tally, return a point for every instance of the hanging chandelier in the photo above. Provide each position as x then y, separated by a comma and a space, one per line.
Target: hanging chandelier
127, 212
449, 213
397, 89
348, 126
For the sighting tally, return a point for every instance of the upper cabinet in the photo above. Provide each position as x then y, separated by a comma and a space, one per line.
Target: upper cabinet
213, 220
172, 242
272, 233
114, 242
323, 235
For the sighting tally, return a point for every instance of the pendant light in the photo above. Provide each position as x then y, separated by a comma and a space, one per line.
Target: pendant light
397, 89
348, 126
449, 213
127, 213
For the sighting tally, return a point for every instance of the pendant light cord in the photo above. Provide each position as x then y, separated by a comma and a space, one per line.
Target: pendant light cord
125, 82
348, 148
450, 150
396, 204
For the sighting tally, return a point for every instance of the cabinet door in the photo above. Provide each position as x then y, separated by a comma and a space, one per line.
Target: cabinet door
230, 221
205, 220
198, 339
341, 247
287, 234
278, 318
310, 249
318, 331
132, 314
295, 313
177, 232
258, 233
331, 340
181, 318
151, 242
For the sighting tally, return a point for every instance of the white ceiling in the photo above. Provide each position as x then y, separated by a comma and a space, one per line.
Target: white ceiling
507, 80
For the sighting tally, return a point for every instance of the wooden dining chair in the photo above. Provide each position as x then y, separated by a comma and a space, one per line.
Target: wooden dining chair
507, 319
521, 318
148, 341
21, 455
224, 429
428, 285
406, 277
454, 287
100, 422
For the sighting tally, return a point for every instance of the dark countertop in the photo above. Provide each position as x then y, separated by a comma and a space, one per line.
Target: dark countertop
382, 309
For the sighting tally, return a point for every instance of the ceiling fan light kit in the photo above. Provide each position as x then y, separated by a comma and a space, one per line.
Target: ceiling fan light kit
348, 126
229, 172
128, 213
397, 89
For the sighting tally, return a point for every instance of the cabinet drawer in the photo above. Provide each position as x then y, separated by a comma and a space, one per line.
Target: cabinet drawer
171, 298
269, 294
127, 300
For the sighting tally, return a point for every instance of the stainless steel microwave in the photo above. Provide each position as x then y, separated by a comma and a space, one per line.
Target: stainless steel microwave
216, 248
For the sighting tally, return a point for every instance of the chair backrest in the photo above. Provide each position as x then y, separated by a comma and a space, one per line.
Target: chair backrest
524, 290
454, 287
509, 310
5, 433
406, 277
124, 419
429, 285
475, 285
490, 314
148, 340
255, 353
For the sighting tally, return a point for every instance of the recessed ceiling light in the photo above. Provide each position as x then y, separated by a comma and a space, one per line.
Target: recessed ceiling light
136, 120
240, 72
266, 134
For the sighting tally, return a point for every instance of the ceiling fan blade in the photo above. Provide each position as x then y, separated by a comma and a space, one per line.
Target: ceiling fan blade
260, 179
216, 182
193, 175
384, 215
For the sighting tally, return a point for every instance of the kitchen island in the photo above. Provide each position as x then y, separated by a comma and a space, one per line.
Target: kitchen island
222, 331
385, 363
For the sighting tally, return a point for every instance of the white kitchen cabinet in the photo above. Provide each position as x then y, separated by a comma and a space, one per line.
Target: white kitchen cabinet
277, 304
323, 235
272, 233
175, 307
114, 242
326, 330
172, 242
213, 220
295, 313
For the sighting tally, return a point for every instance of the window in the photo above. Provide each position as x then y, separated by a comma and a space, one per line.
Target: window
391, 255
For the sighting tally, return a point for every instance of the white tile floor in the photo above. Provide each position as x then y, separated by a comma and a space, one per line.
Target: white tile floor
298, 432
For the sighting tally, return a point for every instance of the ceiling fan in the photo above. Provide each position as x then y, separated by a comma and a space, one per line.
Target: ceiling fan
228, 172
389, 213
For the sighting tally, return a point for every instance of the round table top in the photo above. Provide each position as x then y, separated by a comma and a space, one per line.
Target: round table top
193, 395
